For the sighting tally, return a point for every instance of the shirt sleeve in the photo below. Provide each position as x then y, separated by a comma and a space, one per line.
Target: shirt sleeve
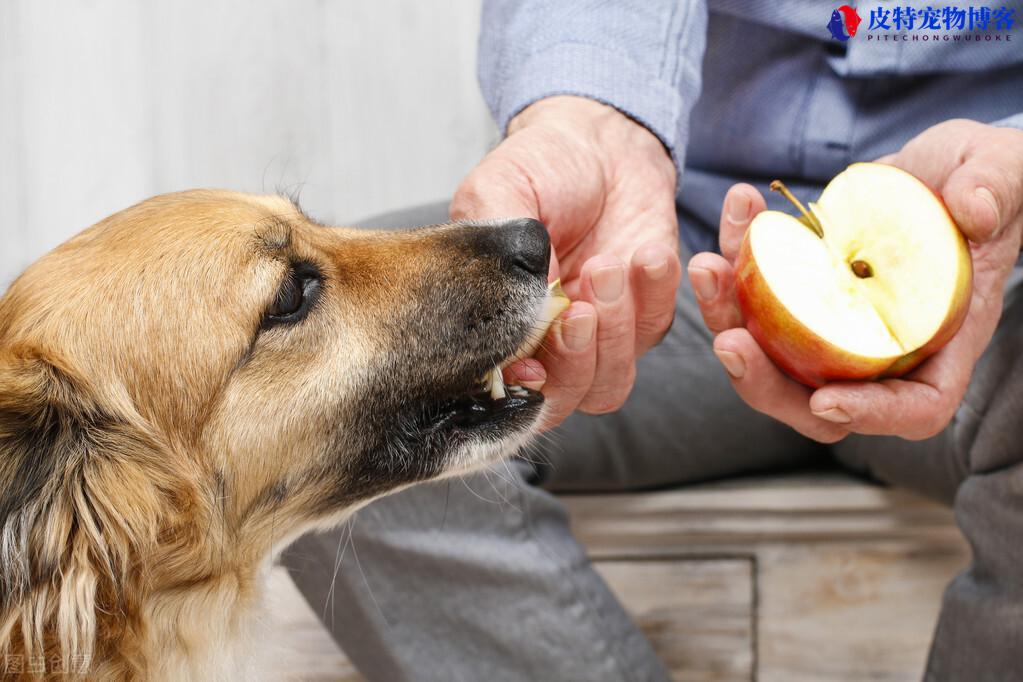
642, 57
1015, 121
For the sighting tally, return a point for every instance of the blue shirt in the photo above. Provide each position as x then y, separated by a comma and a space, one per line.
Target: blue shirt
751, 91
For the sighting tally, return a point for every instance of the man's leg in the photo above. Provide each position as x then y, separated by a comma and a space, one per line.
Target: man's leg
978, 463
481, 579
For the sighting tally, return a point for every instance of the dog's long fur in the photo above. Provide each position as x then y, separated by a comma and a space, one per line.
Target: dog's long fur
163, 433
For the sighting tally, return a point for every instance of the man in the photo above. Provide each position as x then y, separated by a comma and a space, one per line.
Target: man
608, 108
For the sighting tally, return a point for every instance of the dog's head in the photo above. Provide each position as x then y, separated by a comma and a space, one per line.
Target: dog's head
201, 377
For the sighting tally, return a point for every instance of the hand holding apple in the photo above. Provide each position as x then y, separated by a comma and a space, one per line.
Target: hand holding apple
978, 172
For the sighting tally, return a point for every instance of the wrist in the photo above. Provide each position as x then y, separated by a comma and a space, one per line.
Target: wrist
561, 108
613, 132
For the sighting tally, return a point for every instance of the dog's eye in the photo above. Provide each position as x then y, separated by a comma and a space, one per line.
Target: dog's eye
289, 299
295, 297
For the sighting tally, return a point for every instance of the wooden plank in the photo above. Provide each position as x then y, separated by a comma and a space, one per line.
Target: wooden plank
803, 578
403, 82
697, 614
13, 146
297, 645
850, 612
739, 516
364, 107
78, 101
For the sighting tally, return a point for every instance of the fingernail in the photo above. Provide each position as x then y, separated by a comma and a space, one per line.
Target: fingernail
835, 415
532, 385
609, 282
705, 283
733, 362
656, 272
738, 212
577, 332
985, 194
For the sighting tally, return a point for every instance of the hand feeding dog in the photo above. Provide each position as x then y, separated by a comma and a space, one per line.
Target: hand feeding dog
194, 382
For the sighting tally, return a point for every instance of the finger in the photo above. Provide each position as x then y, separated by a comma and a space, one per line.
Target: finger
554, 269
604, 283
655, 272
569, 356
496, 188
915, 408
742, 203
895, 407
764, 388
985, 192
713, 282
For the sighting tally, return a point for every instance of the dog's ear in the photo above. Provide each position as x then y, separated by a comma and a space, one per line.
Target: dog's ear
78, 501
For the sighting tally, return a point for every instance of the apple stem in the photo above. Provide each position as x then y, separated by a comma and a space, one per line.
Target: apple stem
812, 221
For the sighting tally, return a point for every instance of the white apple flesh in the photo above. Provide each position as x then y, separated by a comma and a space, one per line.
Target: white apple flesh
886, 284
552, 306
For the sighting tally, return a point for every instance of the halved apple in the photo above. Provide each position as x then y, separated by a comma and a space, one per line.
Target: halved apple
871, 280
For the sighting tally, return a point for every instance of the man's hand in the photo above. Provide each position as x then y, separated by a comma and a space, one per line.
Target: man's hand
978, 172
605, 187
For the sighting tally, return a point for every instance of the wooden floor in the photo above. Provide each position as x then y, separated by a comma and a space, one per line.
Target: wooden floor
811, 577
301, 648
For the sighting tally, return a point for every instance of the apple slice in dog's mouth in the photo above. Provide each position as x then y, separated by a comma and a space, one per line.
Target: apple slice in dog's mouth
491, 399
555, 304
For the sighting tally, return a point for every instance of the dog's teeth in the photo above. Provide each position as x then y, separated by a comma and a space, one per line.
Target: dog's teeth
497, 391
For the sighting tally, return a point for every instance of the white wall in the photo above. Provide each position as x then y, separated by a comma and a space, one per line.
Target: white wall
365, 105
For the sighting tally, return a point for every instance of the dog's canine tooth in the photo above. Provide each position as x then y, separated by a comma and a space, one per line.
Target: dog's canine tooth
497, 391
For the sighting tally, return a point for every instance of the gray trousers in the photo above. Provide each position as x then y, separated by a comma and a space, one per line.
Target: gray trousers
481, 578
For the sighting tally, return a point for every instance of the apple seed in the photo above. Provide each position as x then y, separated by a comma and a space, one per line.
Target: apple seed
861, 269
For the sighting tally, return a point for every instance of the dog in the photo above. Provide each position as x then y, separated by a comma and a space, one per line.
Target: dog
195, 381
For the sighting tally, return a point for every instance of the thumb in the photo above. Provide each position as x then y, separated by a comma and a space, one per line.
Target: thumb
496, 188
985, 193
554, 271
742, 203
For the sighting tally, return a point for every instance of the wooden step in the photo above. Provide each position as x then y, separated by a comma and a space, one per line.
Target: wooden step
798, 577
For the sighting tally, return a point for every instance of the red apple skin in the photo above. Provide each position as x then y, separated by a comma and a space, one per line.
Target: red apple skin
797, 350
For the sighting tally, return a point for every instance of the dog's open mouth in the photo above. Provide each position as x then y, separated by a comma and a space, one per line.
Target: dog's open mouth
478, 408
491, 400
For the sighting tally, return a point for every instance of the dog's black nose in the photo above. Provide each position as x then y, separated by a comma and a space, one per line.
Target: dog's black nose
526, 245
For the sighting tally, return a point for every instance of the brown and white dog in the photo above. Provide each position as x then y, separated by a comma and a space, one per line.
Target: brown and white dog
195, 381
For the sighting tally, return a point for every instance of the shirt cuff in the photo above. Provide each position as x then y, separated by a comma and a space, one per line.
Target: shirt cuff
600, 74
1011, 122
